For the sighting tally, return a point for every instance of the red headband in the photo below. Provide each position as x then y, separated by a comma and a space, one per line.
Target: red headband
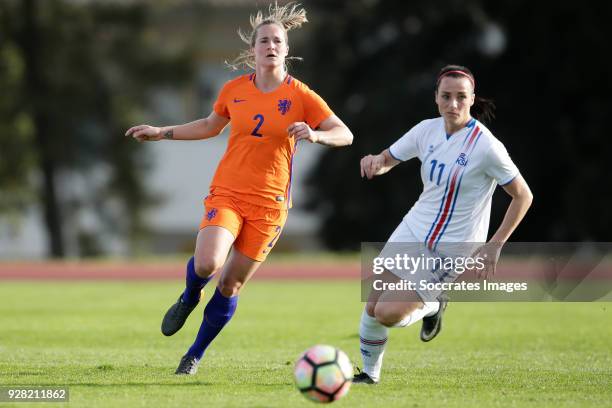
460, 73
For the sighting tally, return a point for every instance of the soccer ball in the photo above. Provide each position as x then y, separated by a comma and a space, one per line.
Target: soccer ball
323, 373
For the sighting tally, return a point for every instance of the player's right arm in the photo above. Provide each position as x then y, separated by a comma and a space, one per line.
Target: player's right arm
196, 130
376, 165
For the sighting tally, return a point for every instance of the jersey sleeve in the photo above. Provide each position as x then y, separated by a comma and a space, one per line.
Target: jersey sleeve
406, 147
316, 109
499, 165
220, 106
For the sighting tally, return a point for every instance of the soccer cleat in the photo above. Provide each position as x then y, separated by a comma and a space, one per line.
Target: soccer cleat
432, 325
176, 316
187, 366
363, 378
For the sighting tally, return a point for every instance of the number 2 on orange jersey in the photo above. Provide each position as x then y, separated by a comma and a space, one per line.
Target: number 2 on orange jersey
260, 118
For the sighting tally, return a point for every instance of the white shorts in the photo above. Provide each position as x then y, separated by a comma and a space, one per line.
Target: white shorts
420, 266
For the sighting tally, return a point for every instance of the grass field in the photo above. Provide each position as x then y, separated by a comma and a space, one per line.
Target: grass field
102, 340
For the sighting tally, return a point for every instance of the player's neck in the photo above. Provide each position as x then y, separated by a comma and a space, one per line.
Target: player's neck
269, 80
454, 128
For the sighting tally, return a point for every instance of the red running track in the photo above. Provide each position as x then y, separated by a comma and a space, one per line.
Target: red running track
162, 271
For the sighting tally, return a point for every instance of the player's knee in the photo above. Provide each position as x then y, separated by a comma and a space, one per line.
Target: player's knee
387, 316
388, 320
206, 266
229, 287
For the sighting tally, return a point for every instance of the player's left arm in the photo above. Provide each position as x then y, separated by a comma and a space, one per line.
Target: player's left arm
521, 201
331, 132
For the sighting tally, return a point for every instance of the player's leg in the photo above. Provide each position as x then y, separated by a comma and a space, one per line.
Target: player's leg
372, 342
428, 306
373, 335
388, 309
212, 246
404, 314
220, 308
219, 227
387, 312
259, 233
391, 312
405, 307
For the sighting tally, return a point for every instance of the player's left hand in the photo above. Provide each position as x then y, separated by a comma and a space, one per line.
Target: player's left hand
489, 255
301, 131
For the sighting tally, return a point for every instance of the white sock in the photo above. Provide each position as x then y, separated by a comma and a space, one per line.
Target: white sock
428, 309
372, 339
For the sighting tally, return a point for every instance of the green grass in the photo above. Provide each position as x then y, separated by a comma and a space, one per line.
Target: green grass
102, 340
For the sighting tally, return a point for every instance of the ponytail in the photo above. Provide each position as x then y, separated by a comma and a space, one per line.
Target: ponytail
483, 109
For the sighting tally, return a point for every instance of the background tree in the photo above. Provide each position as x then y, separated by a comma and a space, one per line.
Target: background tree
74, 76
544, 65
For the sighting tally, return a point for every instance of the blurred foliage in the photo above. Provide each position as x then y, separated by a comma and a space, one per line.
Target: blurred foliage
16, 132
73, 76
543, 63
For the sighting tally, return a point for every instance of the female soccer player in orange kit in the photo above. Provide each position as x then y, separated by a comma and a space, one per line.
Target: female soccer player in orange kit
250, 194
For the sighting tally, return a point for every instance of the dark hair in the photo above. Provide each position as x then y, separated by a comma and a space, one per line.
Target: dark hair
484, 109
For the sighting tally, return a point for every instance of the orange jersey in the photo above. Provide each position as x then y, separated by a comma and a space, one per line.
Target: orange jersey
257, 164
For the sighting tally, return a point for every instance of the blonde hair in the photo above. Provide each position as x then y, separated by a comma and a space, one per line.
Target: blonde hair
288, 17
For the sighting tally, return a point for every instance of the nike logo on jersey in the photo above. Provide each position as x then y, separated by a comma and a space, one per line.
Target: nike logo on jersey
239, 100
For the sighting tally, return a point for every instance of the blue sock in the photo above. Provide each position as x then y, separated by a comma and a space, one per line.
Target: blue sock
217, 313
193, 284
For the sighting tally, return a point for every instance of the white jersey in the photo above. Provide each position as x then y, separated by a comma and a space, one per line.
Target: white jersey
459, 173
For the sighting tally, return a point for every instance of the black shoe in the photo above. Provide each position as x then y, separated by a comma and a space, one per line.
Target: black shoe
187, 366
432, 325
175, 317
363, 378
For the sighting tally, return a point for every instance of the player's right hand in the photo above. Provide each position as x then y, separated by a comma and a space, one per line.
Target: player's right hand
144, 133
371, 165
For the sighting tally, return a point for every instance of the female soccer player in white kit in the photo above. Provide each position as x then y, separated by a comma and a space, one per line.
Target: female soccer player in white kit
461, 164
